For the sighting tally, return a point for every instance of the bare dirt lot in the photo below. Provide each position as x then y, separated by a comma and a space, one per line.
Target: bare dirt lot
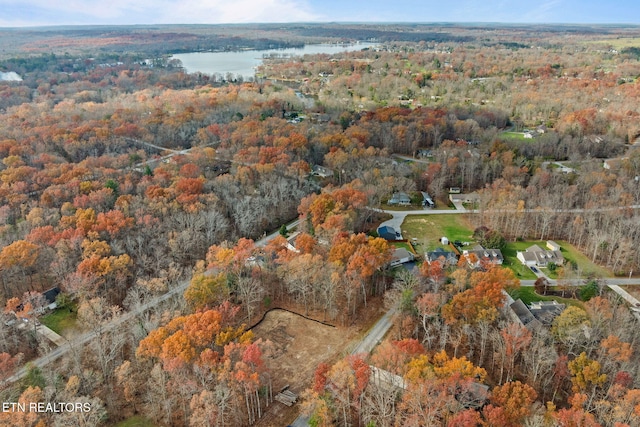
300, 345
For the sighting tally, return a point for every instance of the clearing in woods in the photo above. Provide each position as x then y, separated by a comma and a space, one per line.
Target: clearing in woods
299, 345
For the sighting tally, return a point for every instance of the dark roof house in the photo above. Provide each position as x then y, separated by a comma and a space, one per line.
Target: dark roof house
522, 314
427, 201
51, 295
546, 311
321, 171
388, 233
440, 255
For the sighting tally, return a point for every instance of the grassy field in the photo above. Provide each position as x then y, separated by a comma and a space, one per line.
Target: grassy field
528, 295
428, 229
405, 245
137, 421
585, 266
60, 319
618, 43
570, 253
518, 136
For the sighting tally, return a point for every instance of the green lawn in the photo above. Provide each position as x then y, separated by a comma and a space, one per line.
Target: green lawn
618, 43
519, 136
428, 229
585, 266
137, 421
513, 263
528, 295
405, 245
60, 319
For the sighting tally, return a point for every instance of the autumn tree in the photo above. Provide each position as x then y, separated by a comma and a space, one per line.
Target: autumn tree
510, 404
206, 290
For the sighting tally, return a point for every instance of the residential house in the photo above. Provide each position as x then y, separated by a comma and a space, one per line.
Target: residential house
390, 381
445, 258
479, 254
536, 256
291, 242
472, 395
464, 198
321, 171
50, 295
427, 201
388, 233
546, 311
538, 313
521, 314
401, 256
400, 198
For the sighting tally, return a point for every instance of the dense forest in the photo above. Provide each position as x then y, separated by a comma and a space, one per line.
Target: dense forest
143, 193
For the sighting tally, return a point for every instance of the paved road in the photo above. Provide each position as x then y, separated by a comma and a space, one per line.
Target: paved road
66, 345
579, 282
412, 159
375, 334
83, 339
270, 237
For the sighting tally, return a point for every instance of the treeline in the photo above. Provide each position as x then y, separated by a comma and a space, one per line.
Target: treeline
460, 357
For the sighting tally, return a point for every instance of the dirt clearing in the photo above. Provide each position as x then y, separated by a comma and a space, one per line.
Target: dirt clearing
299, 346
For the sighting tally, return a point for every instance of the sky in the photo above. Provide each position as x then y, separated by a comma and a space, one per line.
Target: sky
23, 13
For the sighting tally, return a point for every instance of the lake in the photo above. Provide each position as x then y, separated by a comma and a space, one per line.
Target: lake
243, 63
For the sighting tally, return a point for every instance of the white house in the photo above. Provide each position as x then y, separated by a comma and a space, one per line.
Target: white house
536, 256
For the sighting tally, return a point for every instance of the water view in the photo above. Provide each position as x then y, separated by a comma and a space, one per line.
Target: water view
243, 63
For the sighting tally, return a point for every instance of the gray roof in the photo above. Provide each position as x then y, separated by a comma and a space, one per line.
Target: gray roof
387, 232
546, 311
542, 256
493, 255
399, 198
438, 253
524, 315
400, 253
